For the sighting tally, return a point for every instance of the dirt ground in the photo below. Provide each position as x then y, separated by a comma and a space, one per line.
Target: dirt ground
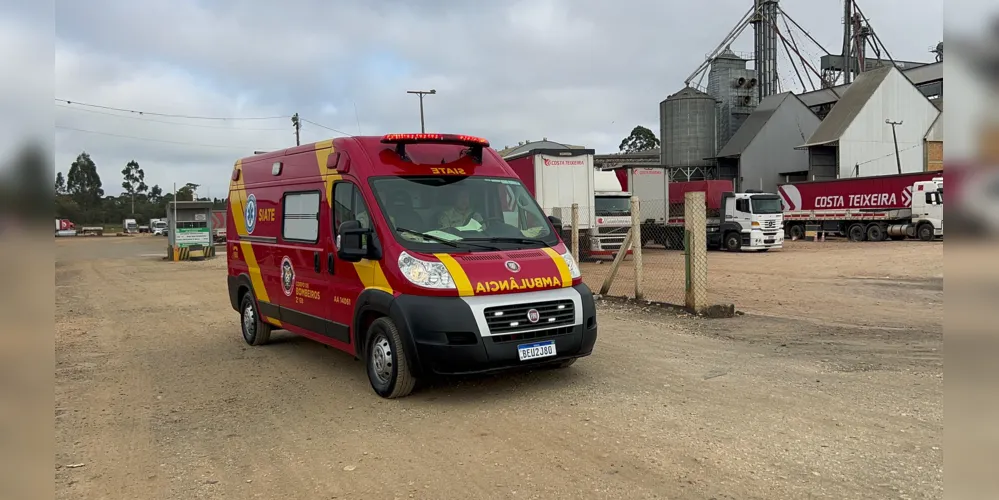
157, 396
893, 284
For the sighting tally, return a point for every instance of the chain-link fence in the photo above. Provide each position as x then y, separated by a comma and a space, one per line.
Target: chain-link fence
670, 264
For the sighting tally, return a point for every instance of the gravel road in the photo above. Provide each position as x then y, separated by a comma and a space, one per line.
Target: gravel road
157, 396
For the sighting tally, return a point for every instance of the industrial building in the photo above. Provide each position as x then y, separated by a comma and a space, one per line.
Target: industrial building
880, 113
762, 153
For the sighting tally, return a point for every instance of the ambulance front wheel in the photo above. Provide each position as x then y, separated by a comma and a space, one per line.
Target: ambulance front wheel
388, 371
255, 331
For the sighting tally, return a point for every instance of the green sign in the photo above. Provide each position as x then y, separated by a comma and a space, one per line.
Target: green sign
186, 237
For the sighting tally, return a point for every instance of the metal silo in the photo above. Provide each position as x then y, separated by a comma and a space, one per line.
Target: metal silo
687, 127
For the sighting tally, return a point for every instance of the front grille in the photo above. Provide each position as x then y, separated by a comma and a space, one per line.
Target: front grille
770, 224
613, 230
514, 318
537, 334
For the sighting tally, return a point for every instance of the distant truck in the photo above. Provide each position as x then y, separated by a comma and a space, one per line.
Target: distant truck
64, 227
750, 221
129, 226
867, 208
158, 227
218, 226
557, 178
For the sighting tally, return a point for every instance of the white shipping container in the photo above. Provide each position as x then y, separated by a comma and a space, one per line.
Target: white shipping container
562, 181
651, 186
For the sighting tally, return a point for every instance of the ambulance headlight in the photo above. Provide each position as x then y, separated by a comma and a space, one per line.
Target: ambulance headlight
424, 273
571, 263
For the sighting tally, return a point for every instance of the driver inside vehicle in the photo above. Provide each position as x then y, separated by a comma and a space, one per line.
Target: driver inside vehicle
460, 213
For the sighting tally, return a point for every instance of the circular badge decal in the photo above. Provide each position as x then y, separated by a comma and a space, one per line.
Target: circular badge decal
287, 276
512, 266
533, 316
250, 214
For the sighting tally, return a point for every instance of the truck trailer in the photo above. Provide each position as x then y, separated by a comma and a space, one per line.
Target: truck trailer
750, 221
558, 178
867, 208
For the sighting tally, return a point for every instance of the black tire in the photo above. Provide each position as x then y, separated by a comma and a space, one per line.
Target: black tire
797, 232
385, 359
925, 232
856, 232
733, 242
875, 233
255, 331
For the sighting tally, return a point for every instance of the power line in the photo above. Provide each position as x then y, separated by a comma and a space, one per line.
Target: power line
143, 118
182, 143
168, 115
331, 129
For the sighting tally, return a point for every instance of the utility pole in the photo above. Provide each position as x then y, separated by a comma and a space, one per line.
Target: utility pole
421, 93
894, 136
295, 122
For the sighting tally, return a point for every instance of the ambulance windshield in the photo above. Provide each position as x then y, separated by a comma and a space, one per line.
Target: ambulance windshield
441, 213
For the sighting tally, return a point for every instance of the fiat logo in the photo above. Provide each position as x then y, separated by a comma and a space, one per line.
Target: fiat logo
512, 266
533, 316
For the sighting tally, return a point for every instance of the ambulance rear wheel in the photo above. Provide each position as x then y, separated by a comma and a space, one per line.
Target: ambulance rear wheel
255, 331
388, 371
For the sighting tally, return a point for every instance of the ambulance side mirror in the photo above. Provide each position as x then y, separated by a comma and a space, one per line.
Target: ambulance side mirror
555, 222
353, 241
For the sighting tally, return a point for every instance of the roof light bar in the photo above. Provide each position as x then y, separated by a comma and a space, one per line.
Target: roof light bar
476, 145
456, 139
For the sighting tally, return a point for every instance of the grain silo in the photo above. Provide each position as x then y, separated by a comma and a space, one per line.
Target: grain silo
687, 124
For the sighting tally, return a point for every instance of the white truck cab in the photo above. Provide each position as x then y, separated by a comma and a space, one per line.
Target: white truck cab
752, 221
158, 226
612, 209
927, 208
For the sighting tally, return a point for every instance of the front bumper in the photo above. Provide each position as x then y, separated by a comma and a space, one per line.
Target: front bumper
445, 337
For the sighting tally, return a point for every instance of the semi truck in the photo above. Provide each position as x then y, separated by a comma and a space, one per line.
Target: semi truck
867, 208
749, 221
158, 226
129, 226
64, 227
558, 178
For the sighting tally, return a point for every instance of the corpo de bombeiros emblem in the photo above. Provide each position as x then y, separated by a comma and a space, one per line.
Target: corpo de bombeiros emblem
287, 276
512, 266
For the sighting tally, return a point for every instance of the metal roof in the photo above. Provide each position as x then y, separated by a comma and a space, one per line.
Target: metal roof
531, 145
848, 107
753, 125
920, 75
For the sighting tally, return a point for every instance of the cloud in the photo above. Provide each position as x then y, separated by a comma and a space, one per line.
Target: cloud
579, 71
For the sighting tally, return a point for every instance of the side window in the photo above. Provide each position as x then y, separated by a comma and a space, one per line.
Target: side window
348, 204
742, 206
929, 198
300, 217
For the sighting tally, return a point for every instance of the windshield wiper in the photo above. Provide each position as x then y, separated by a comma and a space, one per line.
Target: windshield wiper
505, 239
438, 239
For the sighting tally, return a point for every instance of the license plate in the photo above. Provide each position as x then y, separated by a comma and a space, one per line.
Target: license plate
536, 350
768, 242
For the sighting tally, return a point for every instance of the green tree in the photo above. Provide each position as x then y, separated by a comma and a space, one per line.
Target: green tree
641, 139
60, 183
134, 182
84, 183
188, 192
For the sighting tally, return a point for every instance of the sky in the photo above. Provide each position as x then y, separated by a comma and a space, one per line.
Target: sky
575, 71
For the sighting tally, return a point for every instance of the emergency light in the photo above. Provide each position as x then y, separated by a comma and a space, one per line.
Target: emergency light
475, 144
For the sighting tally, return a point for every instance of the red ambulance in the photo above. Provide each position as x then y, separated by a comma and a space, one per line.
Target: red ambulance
422, 254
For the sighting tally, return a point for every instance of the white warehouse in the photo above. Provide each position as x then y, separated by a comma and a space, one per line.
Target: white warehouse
855, 139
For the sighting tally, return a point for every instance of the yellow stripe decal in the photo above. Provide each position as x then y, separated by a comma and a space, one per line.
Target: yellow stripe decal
255, 277
457, 273
563, 269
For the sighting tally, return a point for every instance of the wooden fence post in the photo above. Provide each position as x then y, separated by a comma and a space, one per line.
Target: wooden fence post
617, 262
695, 250
636, 236
575, 232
